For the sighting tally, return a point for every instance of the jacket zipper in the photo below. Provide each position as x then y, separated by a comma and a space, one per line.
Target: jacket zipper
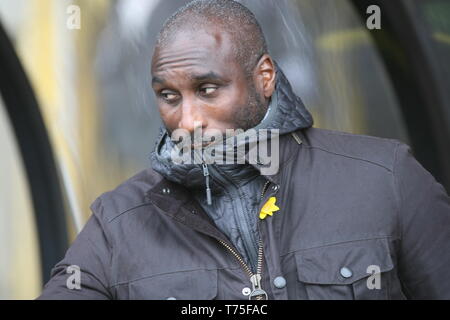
264, 188
255, 278
208, 189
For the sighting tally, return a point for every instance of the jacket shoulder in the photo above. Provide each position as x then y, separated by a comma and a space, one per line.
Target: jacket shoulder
375, 150
127, 196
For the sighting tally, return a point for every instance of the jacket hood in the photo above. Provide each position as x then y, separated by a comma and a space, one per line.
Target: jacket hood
286, 112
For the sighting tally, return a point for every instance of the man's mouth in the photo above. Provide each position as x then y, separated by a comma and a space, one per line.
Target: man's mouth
199, 146
202, 145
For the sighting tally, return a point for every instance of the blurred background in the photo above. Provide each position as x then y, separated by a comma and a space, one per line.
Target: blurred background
77, 114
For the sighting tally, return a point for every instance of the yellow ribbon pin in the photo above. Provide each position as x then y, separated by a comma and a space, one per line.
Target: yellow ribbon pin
269, 208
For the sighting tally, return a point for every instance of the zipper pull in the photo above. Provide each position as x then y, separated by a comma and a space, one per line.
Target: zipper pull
257, 291
208, 190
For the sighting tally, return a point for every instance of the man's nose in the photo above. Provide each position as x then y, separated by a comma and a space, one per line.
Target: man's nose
191, 116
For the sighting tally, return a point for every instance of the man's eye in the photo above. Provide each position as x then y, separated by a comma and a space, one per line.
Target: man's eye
169, 96
208, 90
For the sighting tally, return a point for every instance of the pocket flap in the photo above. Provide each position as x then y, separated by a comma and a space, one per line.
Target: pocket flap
343, 263
183, 285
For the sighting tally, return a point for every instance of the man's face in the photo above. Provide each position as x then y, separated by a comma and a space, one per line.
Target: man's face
197, 80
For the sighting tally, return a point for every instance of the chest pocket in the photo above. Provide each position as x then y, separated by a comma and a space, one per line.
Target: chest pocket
185, 285
349, 270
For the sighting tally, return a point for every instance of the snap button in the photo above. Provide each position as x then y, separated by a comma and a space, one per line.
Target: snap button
346, 272
275, 187
246, 291
171, 298
279, 282
166, 191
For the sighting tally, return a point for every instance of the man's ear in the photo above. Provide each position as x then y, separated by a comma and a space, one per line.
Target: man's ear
265, 76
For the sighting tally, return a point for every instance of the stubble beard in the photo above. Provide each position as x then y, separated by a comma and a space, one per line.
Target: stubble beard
252, 113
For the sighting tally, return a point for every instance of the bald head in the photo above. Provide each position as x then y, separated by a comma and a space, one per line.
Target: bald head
227, 16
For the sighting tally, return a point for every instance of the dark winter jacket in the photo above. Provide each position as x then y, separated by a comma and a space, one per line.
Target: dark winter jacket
358, 218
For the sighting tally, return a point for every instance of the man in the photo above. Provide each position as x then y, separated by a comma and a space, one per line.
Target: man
344, 217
